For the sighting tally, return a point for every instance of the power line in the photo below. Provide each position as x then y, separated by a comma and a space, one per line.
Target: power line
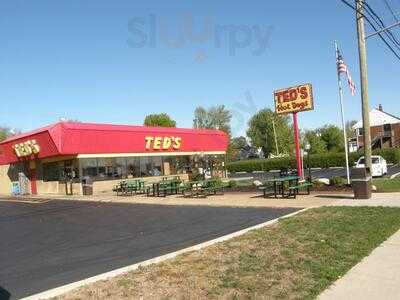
373, 26
382, 25
391, 10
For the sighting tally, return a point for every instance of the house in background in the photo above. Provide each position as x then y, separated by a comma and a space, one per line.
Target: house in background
385, 130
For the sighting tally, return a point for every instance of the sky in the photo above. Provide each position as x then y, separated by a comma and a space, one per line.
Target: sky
117, 61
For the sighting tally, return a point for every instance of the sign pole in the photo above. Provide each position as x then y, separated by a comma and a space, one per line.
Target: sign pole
275, 138
297, 146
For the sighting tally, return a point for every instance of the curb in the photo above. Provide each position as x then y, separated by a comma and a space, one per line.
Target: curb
242, 178
71, 286
394, 175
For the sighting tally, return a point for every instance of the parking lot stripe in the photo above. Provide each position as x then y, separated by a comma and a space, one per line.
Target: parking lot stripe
71, 286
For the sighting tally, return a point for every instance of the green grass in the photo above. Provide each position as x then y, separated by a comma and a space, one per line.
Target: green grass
311, 251
385, 185
296, 259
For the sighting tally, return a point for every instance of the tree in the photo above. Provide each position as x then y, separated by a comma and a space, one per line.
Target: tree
317, 144
235, 146
333, 138
239, 142
5, 132
216, 117
261, 132
349, 129
159, 120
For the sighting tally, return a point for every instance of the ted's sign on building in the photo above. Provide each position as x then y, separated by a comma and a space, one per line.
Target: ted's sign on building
163, 143
26, 148
294, 99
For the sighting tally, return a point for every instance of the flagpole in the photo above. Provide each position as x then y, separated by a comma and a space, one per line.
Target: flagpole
342, 115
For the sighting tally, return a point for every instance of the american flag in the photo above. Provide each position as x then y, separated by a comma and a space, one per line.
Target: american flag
342, 69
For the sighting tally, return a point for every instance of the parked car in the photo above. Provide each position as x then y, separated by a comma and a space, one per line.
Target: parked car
379, 165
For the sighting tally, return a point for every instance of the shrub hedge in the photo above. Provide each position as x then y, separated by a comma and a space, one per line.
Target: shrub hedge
326, 160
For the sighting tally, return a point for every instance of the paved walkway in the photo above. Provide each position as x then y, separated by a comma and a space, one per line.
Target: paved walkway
235, 199
231, 199
375, 277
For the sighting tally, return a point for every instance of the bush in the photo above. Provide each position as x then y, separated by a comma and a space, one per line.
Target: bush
316, 161
391, 155
325, 160
232, 183
337, 181
261, 165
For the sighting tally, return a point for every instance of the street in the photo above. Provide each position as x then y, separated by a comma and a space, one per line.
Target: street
46, 245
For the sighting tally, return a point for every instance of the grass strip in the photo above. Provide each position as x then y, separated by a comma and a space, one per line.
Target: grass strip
385, 185
295, 259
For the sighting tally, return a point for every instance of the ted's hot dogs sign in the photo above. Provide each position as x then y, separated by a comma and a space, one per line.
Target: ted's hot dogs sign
294, 99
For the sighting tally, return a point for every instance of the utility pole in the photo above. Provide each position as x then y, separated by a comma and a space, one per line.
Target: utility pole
364, 83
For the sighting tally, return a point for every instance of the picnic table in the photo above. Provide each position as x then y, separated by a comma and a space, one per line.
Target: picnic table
292, 183
279, 184
167, 186
129, 186
203, 188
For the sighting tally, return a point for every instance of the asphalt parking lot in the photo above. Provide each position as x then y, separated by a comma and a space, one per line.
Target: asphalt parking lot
54, 243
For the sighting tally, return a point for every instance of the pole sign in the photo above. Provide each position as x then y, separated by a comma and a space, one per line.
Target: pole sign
294, 99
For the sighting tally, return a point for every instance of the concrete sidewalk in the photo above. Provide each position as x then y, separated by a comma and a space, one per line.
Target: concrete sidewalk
375, 277
231, 199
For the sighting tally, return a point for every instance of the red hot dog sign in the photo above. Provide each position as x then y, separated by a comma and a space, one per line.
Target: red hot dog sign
294, 99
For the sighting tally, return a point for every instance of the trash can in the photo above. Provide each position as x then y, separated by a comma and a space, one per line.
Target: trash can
361, 181
87, 186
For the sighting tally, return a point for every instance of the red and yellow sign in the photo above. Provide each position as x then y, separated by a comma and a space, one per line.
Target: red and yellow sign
26, 148
163, 143
294, 99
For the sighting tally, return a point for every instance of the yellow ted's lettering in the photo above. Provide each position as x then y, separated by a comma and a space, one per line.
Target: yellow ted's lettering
162, 143
26, 148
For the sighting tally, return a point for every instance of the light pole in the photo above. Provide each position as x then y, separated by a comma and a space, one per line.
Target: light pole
307, 147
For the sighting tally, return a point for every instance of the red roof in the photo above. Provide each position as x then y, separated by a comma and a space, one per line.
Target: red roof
72, 138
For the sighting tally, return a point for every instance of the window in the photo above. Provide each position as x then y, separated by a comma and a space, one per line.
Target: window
51, 171
360, 131
375, 160
176, 164
151, 166
387, 128
106, 168
157, 166
132, 167
89, 167
120, 167
145, 166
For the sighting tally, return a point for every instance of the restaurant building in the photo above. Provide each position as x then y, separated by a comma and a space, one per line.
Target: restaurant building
62, 157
